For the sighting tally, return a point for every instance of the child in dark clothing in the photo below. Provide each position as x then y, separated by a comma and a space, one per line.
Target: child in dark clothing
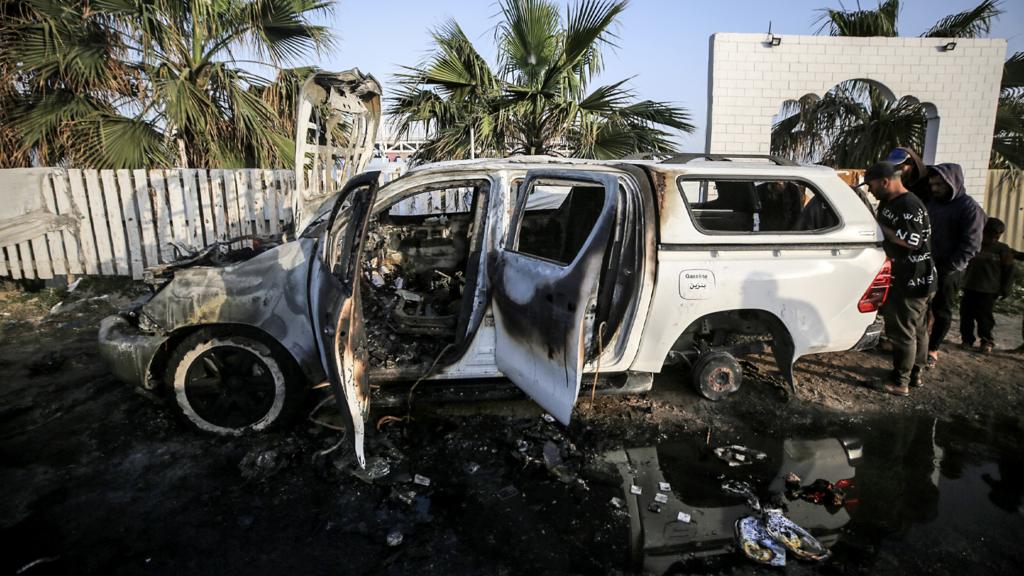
988, 277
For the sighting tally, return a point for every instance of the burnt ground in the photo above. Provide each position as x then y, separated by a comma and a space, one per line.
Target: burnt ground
100, 478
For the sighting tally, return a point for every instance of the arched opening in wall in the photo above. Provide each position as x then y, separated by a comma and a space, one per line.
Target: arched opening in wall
856, 123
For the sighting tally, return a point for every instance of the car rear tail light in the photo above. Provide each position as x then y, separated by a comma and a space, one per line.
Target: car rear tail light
874, 296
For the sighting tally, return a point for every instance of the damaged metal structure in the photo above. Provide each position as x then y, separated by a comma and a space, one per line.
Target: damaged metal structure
534, 269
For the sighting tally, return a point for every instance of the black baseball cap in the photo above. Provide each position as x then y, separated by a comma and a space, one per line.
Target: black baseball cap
879, 170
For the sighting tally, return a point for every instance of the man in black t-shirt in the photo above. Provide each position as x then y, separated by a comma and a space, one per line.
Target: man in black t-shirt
903, 219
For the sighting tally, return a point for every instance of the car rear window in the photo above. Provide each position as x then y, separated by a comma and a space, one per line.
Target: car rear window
750, 206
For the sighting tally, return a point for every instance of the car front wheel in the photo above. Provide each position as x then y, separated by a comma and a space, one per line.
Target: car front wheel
230, 384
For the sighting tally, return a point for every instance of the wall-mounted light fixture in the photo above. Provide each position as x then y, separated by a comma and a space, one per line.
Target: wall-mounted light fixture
949, 47
773, 40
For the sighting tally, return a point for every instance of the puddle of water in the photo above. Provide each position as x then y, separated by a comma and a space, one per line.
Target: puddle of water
921, 495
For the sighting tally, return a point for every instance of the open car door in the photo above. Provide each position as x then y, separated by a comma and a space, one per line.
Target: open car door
335, 306
545, 280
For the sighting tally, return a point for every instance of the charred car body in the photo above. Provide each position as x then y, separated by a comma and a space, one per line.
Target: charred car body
538, 270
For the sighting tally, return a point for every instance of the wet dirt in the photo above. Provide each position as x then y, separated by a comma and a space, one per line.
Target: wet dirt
100, 478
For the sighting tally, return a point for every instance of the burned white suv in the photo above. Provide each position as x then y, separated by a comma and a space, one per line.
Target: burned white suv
538, 270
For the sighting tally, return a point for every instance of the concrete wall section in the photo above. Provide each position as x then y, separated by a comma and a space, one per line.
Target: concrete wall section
749, 81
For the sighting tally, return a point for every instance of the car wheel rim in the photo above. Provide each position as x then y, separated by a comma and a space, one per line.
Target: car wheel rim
230, 387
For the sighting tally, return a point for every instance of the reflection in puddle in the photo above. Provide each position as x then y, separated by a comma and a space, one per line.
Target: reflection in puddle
909, 482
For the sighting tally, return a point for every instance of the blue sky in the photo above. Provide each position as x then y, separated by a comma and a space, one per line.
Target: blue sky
663, 44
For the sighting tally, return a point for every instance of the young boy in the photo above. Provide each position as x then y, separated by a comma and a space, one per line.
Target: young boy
988, 277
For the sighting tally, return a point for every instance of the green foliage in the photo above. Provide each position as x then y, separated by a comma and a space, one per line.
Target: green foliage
131, 83
537, 99
1008, 136
854, 125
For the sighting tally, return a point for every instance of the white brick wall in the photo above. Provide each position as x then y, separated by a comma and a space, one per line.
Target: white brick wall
750, 81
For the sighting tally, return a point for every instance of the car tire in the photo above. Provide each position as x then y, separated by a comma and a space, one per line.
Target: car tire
231, 384
716, 375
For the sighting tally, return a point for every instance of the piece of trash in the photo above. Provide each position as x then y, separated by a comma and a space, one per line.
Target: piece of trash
664, 487
522, 445
617, 502
471, 467
655, 507
74, 285
661, 498
792, 481
736, 455
793, 537
47, 559
821, 491
421, 480
406, 496
395, 538
376, 468
683, 517
507, 492
742, 490
634, 489
376, 279
548, 418
755, 542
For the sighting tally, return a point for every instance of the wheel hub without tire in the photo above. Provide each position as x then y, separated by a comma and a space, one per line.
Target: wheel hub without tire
230, 387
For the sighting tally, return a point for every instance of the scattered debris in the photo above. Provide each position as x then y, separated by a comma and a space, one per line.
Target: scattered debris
548, 418
617, 502
471, 467
421, 480
821, 491
654, 507
793, 537
683, 517
38, 561
507, 492
395, 538
376, 468
260, 464
756, 544
406, 496
661, 498
634, 489
742, 490
664, 487
736, 455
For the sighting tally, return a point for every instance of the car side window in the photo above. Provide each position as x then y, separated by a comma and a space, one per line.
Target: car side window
557, 219
757, 206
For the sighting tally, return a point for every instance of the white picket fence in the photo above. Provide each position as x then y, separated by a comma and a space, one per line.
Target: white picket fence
128, 220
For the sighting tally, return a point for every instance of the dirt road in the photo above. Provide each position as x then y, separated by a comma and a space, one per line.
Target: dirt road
100, 478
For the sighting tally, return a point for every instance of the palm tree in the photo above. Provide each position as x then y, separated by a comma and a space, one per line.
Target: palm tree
537, 99
122, 83
883, 21
854, 124
1008, 140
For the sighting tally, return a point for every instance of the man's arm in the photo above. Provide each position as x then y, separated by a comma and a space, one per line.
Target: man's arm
971, 225
1006, 277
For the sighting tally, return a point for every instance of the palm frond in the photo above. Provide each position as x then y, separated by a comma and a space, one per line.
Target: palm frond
881, 21
967, 24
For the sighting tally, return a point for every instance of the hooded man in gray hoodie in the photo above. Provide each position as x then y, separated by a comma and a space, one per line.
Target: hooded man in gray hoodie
957, 222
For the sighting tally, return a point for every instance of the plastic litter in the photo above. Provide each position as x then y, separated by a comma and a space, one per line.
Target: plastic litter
742, 490
655, 507
664, 487
471, 467
507, 492
661, 498
395, 538
683, 517
736, 455
617, 502
757, 544
420, 480
548, 418
634, 489
797, 540
376, 468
